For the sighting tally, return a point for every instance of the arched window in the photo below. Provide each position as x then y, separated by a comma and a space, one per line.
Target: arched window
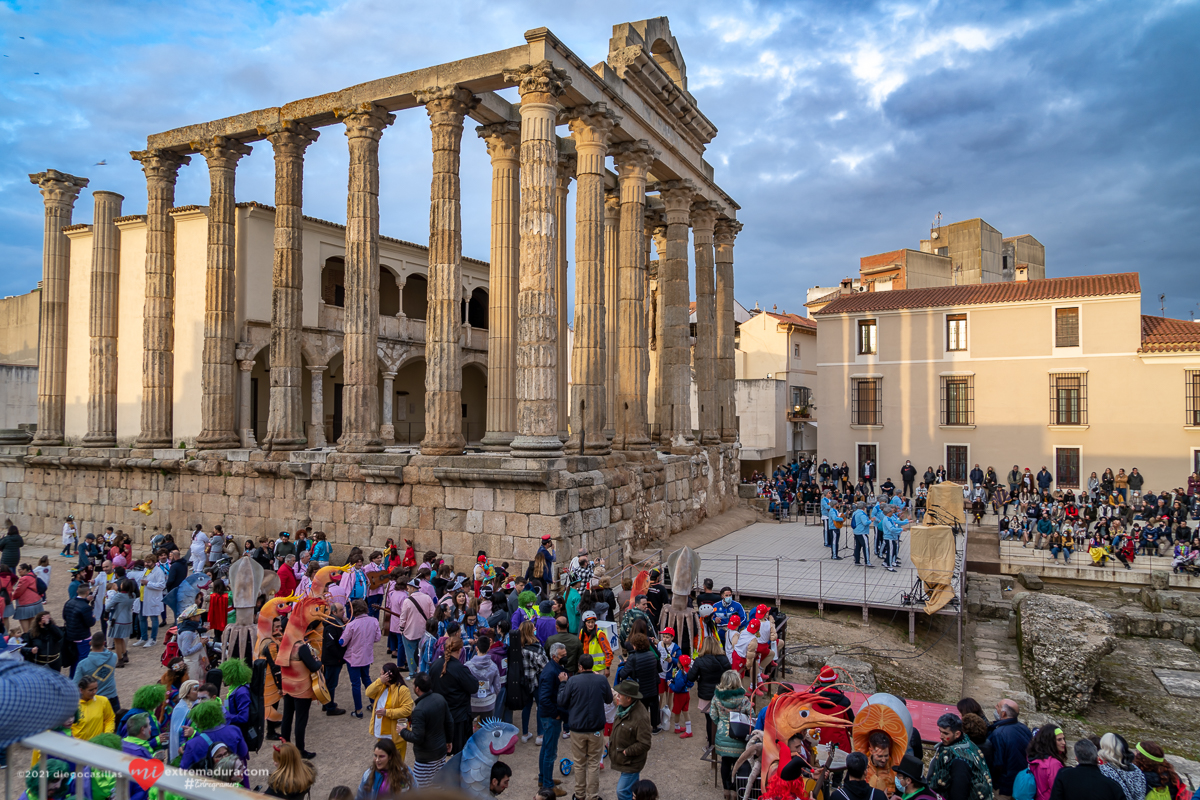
477, 309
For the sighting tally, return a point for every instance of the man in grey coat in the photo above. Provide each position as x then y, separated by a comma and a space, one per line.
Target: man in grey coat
584, 696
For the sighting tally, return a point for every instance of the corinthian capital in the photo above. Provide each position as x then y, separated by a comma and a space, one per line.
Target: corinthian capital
446, 105
727, 230
503, 139
539, 83
58, 188
704, 215
160, 165
677, 198
221, 151
290, 138
567, 165
591, 125
365, 121
634, 159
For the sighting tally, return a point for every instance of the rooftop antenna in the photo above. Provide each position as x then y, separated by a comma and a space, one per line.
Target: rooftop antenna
1162, 305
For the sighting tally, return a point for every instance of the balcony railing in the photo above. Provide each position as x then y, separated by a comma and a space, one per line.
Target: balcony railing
801, 414
402, 329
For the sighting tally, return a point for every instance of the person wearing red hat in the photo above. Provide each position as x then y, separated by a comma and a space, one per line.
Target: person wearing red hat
824, 685
681, 697
668, 660
766, 641
480, 573
740, 644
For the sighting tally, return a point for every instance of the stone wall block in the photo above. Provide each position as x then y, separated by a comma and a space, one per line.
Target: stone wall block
555, 502
494, 523
447, 519
474, 523
381, 493
428, 496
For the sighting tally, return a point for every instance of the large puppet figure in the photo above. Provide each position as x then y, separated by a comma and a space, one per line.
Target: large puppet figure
266, 658
471, 769
789, 715
245, 583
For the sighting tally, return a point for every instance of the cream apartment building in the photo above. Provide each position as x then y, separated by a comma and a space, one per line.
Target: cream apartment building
776, 367
1065, 373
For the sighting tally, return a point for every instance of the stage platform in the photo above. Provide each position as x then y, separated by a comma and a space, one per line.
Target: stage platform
787, 561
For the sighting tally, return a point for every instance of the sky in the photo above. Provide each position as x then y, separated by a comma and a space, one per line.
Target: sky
844, 127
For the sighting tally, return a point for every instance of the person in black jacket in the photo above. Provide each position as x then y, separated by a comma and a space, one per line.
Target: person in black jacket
550, 716
908, 474
453, 681
10, 547
658, 596
707, 668
333, 656
43, 642
427, 728
176, 574
78, 619
1086, 781
642, 667
584, 696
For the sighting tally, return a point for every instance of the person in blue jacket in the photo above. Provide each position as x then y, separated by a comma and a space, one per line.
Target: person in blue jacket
550, 716
146, 700
137, 744
892, 528
681, 688
861, 525
834, 540
725, 609
877, 523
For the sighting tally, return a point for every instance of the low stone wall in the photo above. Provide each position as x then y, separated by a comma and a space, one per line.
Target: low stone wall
454, 505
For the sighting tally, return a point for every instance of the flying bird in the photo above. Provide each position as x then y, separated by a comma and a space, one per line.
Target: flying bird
101, 163
144, 508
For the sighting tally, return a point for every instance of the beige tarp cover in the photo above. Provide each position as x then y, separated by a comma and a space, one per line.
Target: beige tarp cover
946, 503
932, 549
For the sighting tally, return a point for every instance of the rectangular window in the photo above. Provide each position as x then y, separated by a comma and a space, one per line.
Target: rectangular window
956, 332
1192, 388
796, 350
1066, 327
958, 400
867, 342
943, 251
866, 402
868, 452
1066, 467
801, 397
956, 463
1068, 398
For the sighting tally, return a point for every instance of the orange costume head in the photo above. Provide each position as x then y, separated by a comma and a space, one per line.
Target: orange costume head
641, 583
324, 577
790, 714
883, 712
272, 609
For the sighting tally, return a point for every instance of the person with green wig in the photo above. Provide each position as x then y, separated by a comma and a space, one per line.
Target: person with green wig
208, 718
149, 700
58, 781
526, 609
137, 744
239, 702
101, 783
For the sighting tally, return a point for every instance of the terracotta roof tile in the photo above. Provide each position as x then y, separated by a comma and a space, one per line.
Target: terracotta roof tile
1162, 335
985, 293
793, 319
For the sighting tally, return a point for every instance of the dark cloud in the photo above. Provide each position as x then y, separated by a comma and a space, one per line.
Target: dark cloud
843, 127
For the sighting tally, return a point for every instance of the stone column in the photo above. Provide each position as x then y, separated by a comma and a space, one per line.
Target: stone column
317, 421
246, 365
656, 234
504, 146
591, 128
59, 191
566, 172
612, 250
217, 417
387, 431
400, 281
633, 160
704, 216
102, 324
726, 231
676, 351
285, 420
446, 106
158, 319
537, 308
360, 394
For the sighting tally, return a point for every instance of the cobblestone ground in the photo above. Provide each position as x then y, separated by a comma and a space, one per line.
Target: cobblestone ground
343, 744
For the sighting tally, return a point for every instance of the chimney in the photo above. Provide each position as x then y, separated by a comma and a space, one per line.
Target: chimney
846, 286
1022, 273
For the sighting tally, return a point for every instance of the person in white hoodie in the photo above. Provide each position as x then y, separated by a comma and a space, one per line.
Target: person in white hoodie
481, 665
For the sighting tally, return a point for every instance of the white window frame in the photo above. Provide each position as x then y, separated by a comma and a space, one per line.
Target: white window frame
858, 338
954, 354
1065, 351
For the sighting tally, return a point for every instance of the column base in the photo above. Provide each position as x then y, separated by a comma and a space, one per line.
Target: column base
248, 440
498, 441
387, 433
100, 440
217, 440
710, 438
620, 442
443, 445
359, 443
151, 442
283, 444
48, 439
593, 447
537, 447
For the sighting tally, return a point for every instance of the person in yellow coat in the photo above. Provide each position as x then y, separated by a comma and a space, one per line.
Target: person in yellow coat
392, 706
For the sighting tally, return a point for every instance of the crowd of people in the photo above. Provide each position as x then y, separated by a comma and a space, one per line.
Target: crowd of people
557, 644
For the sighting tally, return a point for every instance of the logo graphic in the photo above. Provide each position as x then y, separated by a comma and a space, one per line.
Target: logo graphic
146, 771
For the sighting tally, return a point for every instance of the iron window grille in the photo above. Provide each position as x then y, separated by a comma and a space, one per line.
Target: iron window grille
1066, 467
958, 400
1066, 327
1068, 398
1192, 387
866, 402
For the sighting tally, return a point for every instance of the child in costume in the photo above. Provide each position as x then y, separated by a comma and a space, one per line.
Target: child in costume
668, 661
681, 697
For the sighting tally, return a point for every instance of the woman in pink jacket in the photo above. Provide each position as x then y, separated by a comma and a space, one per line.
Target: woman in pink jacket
359, 638
1047, 753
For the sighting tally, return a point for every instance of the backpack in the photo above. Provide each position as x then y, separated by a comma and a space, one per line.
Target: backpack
1024, 786
170, 652
41, 586
359, 590
252, 731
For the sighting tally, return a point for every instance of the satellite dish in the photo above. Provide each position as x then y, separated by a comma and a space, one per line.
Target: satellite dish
933, 235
